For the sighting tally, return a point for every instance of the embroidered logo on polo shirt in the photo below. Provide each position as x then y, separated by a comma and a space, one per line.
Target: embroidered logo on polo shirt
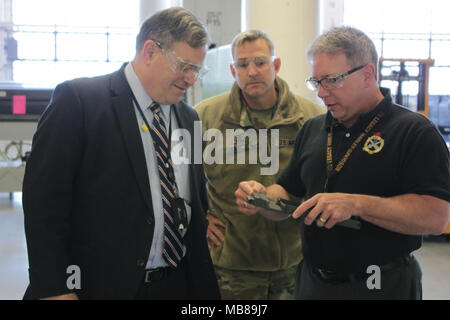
374, 144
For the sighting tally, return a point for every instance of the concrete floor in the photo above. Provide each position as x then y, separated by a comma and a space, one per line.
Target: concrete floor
434, 256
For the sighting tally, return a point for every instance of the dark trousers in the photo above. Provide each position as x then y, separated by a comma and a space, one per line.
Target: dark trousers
401, 283
172, 286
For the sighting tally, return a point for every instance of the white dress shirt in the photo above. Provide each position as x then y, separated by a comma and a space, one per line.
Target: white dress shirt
181, 170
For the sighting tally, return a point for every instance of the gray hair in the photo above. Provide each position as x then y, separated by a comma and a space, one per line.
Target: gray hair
173, 25
249, 36
355, 44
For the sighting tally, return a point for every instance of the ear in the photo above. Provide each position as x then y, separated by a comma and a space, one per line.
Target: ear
369, 74
148, 51
277, 65
233, 71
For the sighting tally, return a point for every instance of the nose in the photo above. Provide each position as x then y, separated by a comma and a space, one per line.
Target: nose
190, 78
321, 92
252, 70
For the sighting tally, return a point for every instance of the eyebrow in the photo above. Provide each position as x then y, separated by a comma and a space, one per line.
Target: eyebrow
328, 76
252, 58
186, 61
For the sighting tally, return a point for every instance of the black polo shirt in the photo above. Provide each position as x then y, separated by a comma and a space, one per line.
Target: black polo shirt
404, 153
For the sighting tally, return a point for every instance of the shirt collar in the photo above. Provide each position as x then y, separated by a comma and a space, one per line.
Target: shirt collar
365, 118
140, 93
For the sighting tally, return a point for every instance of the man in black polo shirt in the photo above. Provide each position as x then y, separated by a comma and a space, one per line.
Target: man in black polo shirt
368, 160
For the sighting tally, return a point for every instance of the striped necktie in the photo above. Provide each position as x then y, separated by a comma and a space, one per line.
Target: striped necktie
173, 240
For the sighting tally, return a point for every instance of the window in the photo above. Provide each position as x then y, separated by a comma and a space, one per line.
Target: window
407, 29
410, 30
61, 40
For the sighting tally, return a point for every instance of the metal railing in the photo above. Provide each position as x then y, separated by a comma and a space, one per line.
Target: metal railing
57, 32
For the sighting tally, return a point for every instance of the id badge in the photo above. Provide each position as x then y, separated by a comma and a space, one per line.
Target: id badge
180, 214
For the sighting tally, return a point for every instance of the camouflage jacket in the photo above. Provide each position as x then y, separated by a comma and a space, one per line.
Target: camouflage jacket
251, 242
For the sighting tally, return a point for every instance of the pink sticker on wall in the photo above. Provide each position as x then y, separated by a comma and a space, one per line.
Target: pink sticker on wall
19, 104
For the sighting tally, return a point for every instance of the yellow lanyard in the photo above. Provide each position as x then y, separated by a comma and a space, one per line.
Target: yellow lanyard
355, 143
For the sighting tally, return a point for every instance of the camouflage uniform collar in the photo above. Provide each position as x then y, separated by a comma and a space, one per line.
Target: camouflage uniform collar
285, 111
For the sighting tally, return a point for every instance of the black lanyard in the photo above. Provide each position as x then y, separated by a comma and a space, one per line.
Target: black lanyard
171, 176
346, 156
149, 127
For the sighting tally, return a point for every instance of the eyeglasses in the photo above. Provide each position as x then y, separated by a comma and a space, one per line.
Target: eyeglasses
179, 65
261, 63
330, 83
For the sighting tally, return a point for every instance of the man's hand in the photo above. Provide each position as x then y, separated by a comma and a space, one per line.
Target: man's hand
213, 233
329, 209
247, 188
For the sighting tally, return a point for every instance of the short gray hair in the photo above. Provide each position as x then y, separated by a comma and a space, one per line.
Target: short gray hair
249, 36
173, 25
355, 44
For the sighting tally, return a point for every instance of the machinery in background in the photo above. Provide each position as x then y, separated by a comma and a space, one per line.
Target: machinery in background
408, 80
20, 108
19, 102
219, 79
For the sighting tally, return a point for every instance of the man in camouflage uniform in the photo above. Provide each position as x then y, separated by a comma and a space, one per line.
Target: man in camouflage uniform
254, 258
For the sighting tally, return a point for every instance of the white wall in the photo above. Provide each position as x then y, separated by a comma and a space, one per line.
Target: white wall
222, 18
292, 25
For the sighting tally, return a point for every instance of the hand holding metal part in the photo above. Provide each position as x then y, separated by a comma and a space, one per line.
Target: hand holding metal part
283, 209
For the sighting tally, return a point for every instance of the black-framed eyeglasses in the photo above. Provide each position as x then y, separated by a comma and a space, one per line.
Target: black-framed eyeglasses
330, 82
178, 64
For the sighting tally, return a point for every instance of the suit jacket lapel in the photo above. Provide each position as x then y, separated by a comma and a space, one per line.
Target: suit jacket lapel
122, 104
186, 122
183, 120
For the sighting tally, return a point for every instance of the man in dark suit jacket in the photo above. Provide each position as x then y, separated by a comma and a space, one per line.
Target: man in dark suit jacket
88, 197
